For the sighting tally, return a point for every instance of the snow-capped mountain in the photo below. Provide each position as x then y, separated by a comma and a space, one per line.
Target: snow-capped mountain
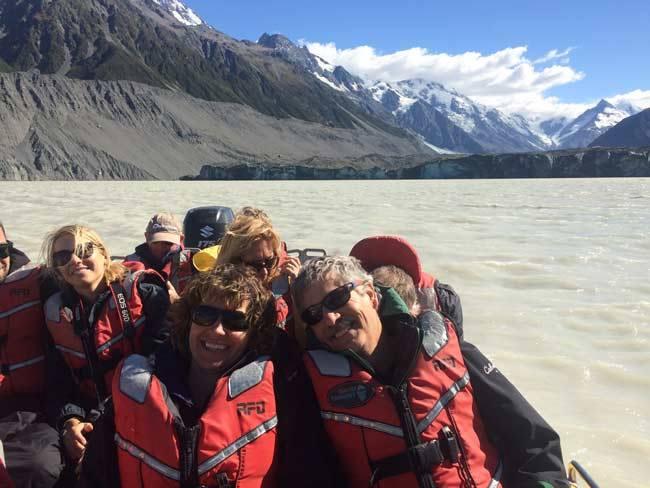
335, 77
481, 129
633, 131
446, 119
589, 125
182, 13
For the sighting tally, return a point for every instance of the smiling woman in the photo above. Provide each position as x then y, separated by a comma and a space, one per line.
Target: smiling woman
226, 402
100, 314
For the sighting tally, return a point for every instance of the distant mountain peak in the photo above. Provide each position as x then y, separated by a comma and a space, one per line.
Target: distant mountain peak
180, 12
275, 41
603, 104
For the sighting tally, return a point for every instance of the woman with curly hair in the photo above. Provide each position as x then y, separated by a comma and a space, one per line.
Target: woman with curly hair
225, 403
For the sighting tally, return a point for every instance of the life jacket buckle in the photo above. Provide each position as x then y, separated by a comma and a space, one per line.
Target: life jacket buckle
450, 443
223, 481
429, 454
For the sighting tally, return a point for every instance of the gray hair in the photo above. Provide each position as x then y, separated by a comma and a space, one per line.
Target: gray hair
340, 269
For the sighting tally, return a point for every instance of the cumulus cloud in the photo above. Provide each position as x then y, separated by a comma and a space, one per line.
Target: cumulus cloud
505, 79
638, 98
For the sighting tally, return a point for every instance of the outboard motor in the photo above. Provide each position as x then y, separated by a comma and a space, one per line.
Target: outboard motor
205, 226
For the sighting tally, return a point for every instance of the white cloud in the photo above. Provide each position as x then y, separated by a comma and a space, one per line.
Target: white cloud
505, 79
638, 98
555, 54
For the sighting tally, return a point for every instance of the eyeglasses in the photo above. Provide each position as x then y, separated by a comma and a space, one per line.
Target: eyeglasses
5, 249
332, 301
207, 315
84, 251
268, 263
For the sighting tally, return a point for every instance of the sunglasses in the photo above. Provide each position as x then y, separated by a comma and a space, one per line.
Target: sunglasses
5, 249
268, 264
332, 301
61, 258
233, 320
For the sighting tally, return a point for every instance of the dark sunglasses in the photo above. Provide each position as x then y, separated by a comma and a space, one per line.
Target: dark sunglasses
5, 249
61, 258
332, 301
207, 315
268, 263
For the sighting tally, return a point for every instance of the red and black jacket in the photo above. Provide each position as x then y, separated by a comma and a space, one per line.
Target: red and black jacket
176, 267
419, 427
87, 341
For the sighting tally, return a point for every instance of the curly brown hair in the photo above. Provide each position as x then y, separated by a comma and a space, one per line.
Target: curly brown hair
232, 285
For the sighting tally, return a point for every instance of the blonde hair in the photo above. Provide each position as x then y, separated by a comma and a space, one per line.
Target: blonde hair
113, 270
250, 226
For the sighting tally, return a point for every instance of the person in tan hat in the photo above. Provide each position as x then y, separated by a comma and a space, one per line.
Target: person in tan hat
163, 251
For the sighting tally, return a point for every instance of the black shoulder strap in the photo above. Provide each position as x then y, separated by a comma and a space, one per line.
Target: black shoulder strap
119, 295
84, 331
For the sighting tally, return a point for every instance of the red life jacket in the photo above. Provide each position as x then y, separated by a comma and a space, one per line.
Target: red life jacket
233, 443
178, 270
365, 418
116, 333
22, 335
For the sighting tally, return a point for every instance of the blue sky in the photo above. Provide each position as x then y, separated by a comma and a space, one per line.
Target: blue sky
602, 47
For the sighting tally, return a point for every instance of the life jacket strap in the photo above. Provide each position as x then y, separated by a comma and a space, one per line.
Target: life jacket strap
119, 294
429, 455
102, 367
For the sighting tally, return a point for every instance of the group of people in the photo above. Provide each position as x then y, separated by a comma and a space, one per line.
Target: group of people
150, 373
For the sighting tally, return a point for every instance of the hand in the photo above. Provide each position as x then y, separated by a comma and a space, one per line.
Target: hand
173, 294
74, 439
291, 267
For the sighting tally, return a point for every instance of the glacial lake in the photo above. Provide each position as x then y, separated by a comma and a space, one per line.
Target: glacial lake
554, 275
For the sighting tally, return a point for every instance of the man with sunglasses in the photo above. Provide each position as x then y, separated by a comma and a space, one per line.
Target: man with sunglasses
529, 446
394, 393
29, 442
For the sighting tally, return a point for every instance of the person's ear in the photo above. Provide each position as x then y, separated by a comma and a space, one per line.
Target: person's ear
372, 295
182, 239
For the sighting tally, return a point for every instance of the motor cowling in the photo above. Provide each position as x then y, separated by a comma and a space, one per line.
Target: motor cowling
205, 226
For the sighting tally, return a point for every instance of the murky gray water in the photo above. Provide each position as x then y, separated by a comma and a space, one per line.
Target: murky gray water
554, 275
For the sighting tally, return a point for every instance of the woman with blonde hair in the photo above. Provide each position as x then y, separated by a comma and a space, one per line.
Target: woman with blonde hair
227, 402
252, 240
101, 314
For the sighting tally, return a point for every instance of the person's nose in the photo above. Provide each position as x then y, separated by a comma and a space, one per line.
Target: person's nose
330, 317
217, 328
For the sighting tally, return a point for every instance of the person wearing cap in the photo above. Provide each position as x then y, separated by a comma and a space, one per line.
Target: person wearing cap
163, 251
394, 393
32, 455
529, 446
